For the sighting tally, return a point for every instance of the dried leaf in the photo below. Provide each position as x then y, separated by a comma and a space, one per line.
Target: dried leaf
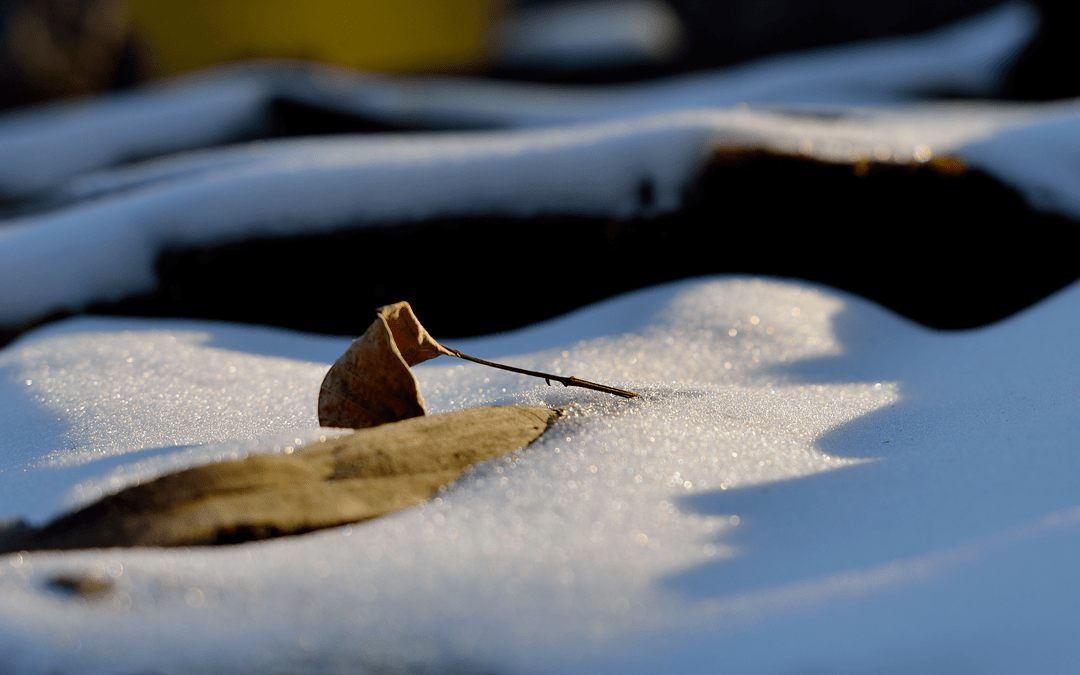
356, 477
371, 383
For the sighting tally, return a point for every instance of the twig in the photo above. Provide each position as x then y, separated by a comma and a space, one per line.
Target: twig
565, 381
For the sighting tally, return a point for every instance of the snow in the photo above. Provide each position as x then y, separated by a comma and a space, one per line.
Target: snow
43, 146
604, 33
1039, 161
808, 482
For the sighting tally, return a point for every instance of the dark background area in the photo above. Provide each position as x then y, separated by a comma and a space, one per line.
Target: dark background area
947, 247
59, 48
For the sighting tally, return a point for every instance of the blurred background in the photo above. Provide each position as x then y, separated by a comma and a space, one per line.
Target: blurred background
60, 48
944, 271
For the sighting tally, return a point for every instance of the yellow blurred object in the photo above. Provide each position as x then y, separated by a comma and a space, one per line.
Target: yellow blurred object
397, 36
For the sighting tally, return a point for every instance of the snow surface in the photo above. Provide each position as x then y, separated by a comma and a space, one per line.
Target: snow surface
809, 484
593, 34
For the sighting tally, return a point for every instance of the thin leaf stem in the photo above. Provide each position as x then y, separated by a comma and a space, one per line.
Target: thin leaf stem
565, 381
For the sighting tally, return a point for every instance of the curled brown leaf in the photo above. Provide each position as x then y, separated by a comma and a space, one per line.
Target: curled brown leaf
371, 383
